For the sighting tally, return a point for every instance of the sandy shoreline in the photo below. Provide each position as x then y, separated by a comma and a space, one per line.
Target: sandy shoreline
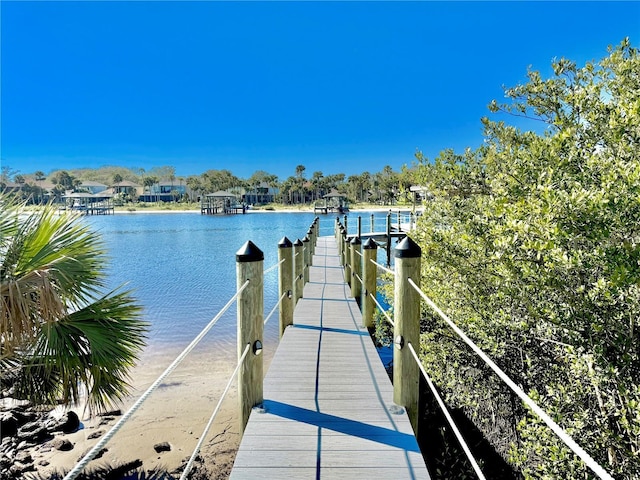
176, 412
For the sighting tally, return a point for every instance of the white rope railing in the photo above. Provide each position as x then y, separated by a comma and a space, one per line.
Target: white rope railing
205, 432
273, 267
447, 415
359, 279
384, 312
105, 439
275, 307
358, 252
564, 436
388, 270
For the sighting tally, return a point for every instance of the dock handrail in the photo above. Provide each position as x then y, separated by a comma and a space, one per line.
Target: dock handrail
407, 256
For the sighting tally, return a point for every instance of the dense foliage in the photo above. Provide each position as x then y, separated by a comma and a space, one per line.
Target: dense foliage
61, 335
532, 245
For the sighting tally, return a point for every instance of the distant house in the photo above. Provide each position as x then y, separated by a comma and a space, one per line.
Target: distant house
164, 191
125, 186
260, 194
93, 187
11, 187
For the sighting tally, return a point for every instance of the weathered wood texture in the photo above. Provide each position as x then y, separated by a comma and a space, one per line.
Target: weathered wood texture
328, 402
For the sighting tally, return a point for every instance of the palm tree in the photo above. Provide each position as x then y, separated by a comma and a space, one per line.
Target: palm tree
40, 176
61, 335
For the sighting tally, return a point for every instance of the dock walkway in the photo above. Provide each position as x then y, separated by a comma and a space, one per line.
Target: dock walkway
328, 408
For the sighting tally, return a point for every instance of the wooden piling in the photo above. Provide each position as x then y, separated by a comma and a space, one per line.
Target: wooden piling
347, 259
341, 246
306, 249
312, 241
250, 314
298, 275
388, 238
356, 268
406, 373
369, 280
285, 283
310, 235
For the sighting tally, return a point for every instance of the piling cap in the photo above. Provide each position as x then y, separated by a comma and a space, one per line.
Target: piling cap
306, 239
407, 248
309, 232
285, 243
356, 241
249, 253
370, 244
297, 243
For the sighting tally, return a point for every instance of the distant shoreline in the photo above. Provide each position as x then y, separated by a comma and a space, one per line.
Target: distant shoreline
252, 211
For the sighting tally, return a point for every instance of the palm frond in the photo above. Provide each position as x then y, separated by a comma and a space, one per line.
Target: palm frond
92, 347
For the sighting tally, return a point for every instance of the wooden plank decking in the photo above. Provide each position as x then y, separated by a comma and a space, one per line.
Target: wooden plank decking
328, 407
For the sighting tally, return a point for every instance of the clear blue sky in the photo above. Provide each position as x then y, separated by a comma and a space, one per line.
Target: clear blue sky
337, 87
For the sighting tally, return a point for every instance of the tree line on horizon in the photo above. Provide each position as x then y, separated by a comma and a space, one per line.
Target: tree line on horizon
384, 187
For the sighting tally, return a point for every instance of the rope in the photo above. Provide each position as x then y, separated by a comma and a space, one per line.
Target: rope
103, 441
205, 432
577, 449
359, 279
388, 270
273, 267
274, 308
445, 411
358, 252
384, 312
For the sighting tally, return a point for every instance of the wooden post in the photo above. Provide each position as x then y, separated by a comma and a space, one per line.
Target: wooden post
373, 222
359, 226
250, 266
341, 243
310, 235
316, 232
369, 279
388, 238
406, 374
347, 260
356, 269
346, 227
298, 275
312, 240
337, 227
412, 221
306, 249
285, 283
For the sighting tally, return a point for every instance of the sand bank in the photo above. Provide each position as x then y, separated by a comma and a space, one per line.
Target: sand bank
176, 412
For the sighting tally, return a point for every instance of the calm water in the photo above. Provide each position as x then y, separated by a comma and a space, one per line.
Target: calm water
182, 266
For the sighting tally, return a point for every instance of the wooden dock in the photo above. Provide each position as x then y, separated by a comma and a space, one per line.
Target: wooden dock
328, 408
